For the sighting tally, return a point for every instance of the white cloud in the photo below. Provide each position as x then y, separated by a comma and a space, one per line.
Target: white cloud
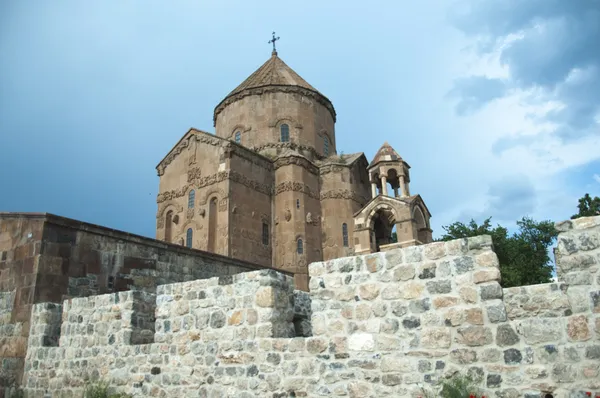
597, 178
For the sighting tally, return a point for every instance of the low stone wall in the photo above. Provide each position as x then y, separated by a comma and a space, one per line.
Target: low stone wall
386, 324
47, 258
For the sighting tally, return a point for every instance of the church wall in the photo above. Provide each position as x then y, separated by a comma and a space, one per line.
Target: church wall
386, 324
342, 195
250, 206
259, 117
199, 167
297, 216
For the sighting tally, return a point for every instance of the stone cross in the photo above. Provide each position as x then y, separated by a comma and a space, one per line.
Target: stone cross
273, 40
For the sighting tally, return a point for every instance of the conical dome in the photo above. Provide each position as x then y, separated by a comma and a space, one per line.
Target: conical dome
273, 75
274, 72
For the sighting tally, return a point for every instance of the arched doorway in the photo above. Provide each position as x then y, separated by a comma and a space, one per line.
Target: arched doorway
168, 226
212, 225
382, 225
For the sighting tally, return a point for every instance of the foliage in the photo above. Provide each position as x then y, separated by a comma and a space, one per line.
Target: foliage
458, 386
101, 390
588, 206
523, 256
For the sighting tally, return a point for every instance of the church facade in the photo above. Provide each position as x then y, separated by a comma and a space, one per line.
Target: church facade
269, 186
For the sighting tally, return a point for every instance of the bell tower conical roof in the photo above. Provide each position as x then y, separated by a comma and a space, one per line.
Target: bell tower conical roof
385, 154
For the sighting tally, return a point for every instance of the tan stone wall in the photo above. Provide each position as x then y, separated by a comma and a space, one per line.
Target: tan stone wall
250, 207
344, 191
201, 166
259, 118
297, 212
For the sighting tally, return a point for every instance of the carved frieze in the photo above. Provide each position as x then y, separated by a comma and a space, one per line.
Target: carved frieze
288, 145
253, 157
295, 186
275, 89
344, 194
255, 185
298, 161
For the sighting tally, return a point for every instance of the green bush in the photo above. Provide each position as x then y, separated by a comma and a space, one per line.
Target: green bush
101, 390
457, 386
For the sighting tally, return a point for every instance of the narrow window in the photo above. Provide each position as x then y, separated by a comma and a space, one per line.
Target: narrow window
297, 203
285, 133
111, 282
191, 199
265, 234
300, 247
238, 137
188, 237
326, 146
345, 234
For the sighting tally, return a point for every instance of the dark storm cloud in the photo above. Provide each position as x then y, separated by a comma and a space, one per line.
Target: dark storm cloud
556, 51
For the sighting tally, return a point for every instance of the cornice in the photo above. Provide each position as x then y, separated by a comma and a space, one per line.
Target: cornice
320, 98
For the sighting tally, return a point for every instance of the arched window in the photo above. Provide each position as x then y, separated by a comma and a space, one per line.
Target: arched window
188, 237
345, 234
285, 133
191, 199
299, 246
238, 137
297, 203
265, 234
326, 146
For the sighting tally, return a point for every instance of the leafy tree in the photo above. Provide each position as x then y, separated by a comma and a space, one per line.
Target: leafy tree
523, 256
588, 206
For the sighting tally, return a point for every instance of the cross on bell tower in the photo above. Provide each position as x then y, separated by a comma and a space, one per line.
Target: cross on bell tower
273, 40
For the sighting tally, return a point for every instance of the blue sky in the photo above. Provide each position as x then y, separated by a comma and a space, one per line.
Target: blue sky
494, 104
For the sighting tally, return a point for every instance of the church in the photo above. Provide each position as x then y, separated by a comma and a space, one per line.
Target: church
269, 186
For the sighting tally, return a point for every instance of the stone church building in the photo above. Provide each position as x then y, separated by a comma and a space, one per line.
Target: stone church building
269, 187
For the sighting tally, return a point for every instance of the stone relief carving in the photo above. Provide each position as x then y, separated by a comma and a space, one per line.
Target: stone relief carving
295, 186
309, 219
193, 174
270, 89
223, 204
189, 213
288, 145
202, 212
288, 215
192, 160
276, 220
162, 208
160, 222
170, 157
214, 179
344, 194
234, 210
293, 160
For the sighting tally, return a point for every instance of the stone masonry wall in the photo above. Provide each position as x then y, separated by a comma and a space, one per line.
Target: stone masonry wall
384, 325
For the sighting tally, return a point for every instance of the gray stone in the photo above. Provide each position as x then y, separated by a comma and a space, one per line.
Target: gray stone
464, 264
411, 322
491, 291
512, 356
494, 380
419, 306
506, 336
592, 352
439, 287
496, 312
